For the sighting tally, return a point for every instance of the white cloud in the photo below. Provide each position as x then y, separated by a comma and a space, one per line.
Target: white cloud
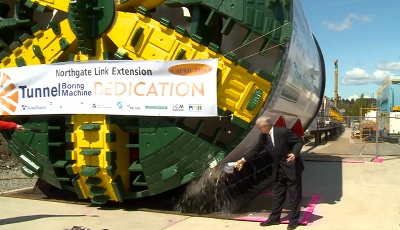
379, 76
391, 66
347, 22
353, 97
358, 76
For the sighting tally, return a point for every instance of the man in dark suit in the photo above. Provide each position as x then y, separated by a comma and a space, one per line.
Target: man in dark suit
284, 146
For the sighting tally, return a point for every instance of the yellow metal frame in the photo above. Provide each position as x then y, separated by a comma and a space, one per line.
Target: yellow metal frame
96, 139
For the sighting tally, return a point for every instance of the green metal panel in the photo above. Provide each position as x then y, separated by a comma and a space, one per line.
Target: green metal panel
100, 199
181, 152
89, 19
153, 178
149, 144
260, 16
90, 152
89, 171
39, 143
118, 188
50, 177
93, 181
97, 191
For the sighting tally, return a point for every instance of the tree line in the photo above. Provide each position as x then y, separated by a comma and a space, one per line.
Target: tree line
352, 107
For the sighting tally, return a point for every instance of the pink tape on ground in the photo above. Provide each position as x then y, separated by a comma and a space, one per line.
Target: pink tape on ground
250, 218
354, 161
310, 210
304, 221
377, 159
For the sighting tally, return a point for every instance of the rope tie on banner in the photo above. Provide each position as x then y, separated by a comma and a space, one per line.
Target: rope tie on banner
251, 55
248, 43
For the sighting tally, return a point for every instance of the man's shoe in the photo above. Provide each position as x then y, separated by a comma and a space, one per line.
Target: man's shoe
291, 226
268, 223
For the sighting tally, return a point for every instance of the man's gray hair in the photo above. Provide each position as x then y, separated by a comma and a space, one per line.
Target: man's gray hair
263, 120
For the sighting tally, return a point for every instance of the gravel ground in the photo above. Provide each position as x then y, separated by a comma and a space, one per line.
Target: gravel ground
11, 177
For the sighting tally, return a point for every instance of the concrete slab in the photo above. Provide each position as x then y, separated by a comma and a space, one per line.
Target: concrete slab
355, 196
351, 196
349, 150
258, 210
17, 214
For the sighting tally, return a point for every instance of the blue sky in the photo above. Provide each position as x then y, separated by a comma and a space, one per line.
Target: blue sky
364, 35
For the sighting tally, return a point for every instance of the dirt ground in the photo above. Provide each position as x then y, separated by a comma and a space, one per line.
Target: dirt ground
7, 160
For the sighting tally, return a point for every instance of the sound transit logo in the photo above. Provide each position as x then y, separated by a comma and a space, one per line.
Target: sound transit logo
8, 95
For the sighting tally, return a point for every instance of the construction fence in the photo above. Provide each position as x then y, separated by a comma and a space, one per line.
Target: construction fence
366, 128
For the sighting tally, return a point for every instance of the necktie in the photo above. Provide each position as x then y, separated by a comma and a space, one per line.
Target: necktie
270, 144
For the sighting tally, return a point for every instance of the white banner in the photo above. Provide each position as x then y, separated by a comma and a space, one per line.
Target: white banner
149, 88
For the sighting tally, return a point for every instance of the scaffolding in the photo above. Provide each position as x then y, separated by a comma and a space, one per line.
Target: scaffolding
367, 127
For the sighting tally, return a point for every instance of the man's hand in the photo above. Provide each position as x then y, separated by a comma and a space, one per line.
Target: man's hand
291, 157
20, 128
239, 164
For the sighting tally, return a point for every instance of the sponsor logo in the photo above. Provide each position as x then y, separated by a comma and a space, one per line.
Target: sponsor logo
36, 107
119, 105
190, 69
178, 107
156, 107
195, 107
134, 107
99, 106
8, 95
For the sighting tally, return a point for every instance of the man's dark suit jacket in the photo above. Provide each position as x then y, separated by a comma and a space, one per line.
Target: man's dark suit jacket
285, 142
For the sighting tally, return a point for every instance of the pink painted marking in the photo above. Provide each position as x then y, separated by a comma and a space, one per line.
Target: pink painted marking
310, 209
251, 218
304, 221
378, 159
354, 161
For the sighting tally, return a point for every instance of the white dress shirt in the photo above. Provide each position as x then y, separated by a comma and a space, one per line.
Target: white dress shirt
271, 133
